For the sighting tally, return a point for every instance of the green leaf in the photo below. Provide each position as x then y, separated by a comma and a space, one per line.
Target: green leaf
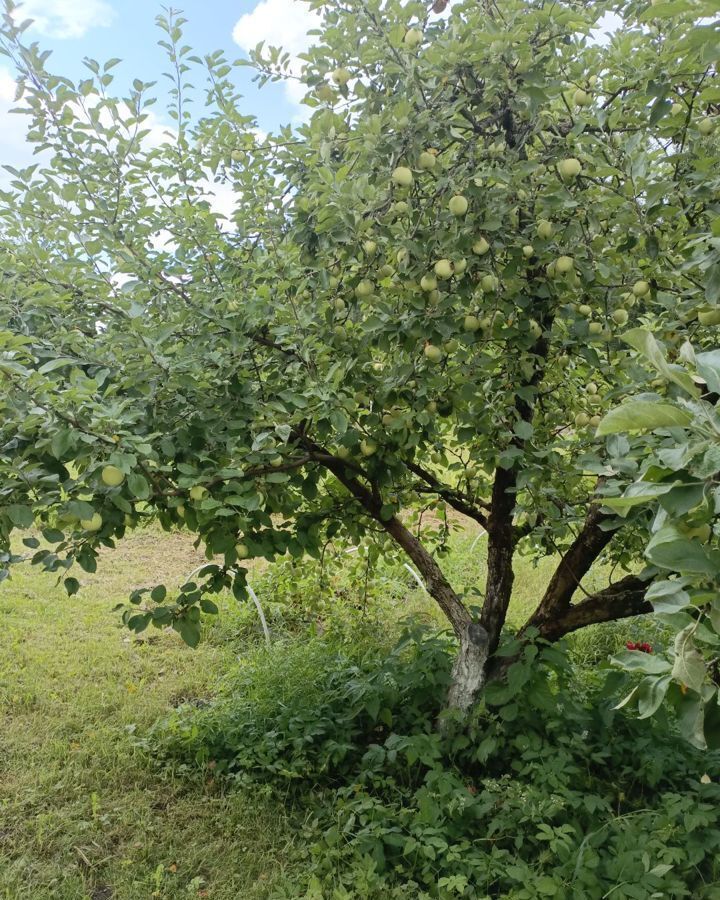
158, 593
19, 515
638, 494
689, 667
208, 606
72, 586
637, 661
59, 363
644, 342
651, 693
708, 366
139, 486
667, 596
670, 549
189, 632
643, 415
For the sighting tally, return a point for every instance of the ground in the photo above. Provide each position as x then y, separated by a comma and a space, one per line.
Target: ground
82, 813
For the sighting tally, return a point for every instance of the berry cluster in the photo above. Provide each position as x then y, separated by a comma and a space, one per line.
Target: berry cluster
644, 647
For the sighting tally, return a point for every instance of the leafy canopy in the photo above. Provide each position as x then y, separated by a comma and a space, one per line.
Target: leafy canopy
492, 229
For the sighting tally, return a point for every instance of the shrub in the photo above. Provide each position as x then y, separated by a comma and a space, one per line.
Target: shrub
550, 793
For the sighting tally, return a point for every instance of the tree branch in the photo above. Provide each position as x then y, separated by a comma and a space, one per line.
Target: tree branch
438, 586
573, 567
457, 499
621, 600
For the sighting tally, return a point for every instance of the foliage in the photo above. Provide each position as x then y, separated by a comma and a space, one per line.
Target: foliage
676, 463
420, 302
555, 796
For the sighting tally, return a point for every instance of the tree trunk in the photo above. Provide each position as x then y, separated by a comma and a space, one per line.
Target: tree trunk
469, 669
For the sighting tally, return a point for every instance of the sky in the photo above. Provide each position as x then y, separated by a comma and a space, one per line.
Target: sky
104, 29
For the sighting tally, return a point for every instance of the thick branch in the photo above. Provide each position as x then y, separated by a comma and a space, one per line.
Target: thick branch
619, 601
573, 567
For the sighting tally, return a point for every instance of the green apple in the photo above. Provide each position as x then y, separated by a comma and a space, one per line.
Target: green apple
92, 524
706, 126
591, 387
581, 98
197, 492
569, 168
550, 269
595, 328
528, 250
242, 551
595, 421
180, 509
400, 208
459, 265
364, 289
325, 93
276, 462
481, 246
471, 324
339, 304
340, 76
432, 408
368, 447
413, 37
433, 298
585, 310
342, 452
488, 283
450, 346
402, 256
677, 108
428, 283
544, 229
433, 353
535, 329
443, 268
564, 264
386, 271
426, 161
369, 248
620, 316
582, 419
239, 155
709, 316
458, 205
112, 476
592, 80
641, 288
402, 176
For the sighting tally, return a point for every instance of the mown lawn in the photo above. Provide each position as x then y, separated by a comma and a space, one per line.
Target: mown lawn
82, 813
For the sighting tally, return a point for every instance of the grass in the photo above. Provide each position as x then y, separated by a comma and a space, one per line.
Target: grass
81, 814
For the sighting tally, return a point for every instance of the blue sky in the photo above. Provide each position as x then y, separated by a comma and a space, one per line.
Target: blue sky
101, 29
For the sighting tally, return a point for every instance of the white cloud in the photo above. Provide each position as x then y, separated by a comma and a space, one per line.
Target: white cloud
66, 18
281, 23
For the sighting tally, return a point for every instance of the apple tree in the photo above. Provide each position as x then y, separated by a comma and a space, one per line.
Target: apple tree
433, 296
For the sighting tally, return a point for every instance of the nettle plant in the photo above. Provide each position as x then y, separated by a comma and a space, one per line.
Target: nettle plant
419, 303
